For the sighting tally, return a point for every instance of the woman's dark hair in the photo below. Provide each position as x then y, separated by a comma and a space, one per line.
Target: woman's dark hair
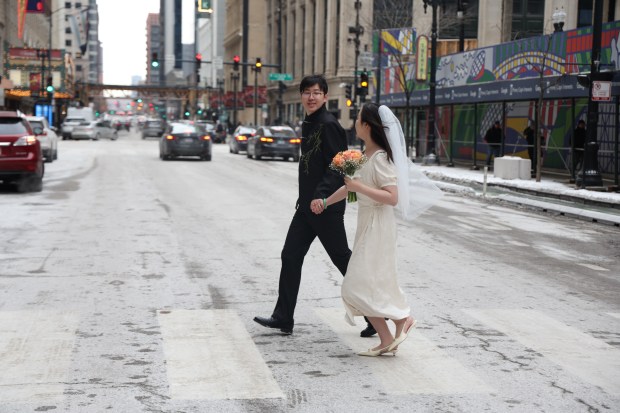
312, 80
370, 115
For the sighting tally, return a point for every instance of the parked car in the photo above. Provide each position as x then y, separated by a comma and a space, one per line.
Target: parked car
21, 158
66, 129
274, 141
47, 137
239, 139
185, 139
95, 130
153, 127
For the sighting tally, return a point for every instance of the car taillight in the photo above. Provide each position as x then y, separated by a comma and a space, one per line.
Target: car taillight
241, 138
206, 138
266, 139
25, 141
295, 140
170, 137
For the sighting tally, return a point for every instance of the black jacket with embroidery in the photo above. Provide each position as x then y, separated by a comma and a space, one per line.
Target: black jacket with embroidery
322, 139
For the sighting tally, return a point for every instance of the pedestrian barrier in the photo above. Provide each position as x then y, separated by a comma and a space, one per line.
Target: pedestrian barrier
512, 167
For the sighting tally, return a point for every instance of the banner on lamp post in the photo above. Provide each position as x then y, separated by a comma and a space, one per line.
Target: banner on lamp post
421, 60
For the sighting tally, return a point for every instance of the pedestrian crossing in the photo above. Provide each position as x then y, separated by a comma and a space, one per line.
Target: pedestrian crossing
35, 354
212, 355
591, 359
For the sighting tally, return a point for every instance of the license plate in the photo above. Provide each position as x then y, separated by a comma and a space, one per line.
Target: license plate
280, 142
188, 140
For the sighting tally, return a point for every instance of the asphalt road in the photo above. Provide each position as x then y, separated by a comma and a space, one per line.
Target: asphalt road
129, 285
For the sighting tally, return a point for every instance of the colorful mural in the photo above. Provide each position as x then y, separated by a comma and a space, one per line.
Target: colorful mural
505, 80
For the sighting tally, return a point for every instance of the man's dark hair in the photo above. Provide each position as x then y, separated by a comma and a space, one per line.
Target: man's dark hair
496, 123
581, 122
312, 80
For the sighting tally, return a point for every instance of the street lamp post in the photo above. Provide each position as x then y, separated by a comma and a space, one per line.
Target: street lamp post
590, 174
431, 157
235, 78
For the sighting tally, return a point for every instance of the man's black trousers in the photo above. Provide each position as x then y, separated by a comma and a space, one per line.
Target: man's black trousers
304, 228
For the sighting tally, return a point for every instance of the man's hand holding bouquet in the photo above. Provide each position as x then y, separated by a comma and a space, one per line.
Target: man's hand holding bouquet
347, 163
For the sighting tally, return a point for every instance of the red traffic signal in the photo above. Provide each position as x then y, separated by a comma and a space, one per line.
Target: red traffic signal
236, 60
198, 57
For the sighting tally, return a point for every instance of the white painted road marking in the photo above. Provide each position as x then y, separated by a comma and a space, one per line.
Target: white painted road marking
617, 315
591, 359
419, 367
210, 355
35, 352
593, 267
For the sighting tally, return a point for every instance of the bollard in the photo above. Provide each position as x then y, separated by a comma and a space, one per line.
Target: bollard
484, 185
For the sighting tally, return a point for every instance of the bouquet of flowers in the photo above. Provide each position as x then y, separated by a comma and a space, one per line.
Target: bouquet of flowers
347, 163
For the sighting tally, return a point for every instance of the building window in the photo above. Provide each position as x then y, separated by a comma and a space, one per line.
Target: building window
450, 24
528, 18
68, 30
78, 5
78, 68
584, 13
67, 5
67, 42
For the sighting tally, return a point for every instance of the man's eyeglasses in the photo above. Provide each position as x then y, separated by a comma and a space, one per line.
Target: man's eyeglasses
314, 94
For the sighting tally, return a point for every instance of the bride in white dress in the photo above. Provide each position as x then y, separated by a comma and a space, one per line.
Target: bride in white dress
370, 287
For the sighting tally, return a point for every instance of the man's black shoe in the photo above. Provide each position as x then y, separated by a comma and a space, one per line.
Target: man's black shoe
369, 331
286, 328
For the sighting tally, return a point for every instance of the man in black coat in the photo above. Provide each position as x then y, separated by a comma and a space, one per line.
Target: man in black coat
323, 138
493, 138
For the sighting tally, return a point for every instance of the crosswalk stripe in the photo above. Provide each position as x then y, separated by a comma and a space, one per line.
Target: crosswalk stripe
35, 352
420, 367
593, 267
591, 359
210, 355
617, 315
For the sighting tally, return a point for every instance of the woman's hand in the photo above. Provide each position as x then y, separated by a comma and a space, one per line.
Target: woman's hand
353, 185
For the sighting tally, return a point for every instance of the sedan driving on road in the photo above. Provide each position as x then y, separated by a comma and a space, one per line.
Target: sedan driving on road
47, 137
274, 141
239, 139
95, 130
185, 139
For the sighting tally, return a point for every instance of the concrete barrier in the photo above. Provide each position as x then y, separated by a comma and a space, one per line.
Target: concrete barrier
512, 167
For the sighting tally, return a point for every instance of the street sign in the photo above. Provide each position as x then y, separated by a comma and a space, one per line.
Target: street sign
601, 90
280, 76
365, 59
219, 62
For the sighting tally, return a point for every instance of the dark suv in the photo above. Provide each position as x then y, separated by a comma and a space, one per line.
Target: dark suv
21, 160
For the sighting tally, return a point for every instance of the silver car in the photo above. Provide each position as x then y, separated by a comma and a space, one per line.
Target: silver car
95, 130
47, 137
67, 126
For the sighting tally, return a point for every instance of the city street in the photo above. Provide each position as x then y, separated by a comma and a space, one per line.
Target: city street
129, 284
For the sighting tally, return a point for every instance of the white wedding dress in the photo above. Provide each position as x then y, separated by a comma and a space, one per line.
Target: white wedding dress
370, 287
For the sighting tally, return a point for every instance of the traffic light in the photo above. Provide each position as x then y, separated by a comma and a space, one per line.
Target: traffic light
154, 60
204, 6
50, 87
364, 81
348, 94
198, 63
236, 60
258, 65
